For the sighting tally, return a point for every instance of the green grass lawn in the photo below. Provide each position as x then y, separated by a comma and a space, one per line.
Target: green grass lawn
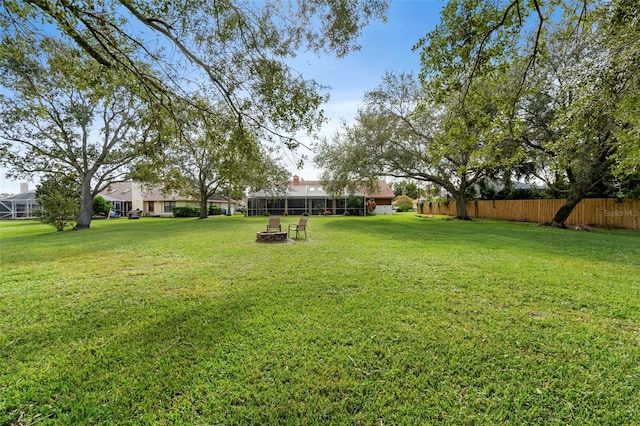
375, 321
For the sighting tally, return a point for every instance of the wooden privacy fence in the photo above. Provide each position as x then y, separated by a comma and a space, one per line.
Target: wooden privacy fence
598, 212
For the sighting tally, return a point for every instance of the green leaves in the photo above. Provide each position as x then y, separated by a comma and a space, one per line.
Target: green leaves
562, 82
476, 38
62, 114
402, 133
59, 198
209, 151
235, 51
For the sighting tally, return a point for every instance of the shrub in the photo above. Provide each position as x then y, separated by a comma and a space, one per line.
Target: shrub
371, 207
404, 207
215, 211
60, 201
403, 199
354, 206
187, 211
442, 201
101, 206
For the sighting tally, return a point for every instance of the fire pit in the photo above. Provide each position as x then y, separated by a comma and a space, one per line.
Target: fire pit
271, 237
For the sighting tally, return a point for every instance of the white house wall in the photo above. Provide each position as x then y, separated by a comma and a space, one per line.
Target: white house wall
137, 201
383, 210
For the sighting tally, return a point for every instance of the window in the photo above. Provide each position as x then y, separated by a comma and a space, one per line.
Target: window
151, 206
168, 206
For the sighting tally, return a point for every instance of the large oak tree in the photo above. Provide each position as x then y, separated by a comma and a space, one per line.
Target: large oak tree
209, 153
400, 133
593, 132
568, 118
61, 114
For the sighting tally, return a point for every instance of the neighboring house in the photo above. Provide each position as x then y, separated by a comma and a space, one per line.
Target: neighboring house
223, 203
152, 201
124, 196
19, 206
158, 203
309, 197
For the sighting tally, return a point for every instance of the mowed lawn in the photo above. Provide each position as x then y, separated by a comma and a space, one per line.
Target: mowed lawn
375, 321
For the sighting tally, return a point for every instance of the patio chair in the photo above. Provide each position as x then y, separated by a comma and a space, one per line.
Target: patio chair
298, 227
274, 224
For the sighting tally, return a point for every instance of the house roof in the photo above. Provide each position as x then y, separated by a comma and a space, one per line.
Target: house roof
383, 191
156, 193
123, 191
118, 191
29, 195
109, 198
314, 188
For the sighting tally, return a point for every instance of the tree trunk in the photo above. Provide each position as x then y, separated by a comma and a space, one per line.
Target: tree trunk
86, 206
461, 206
204, 212
565, 210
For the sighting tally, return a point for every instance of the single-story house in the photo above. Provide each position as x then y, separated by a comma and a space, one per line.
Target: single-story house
309, 197
158, 203
124, 196
152, 201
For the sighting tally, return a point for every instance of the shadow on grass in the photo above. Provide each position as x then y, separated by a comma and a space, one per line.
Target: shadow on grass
118, 234
617, 246
167, 346
111, 360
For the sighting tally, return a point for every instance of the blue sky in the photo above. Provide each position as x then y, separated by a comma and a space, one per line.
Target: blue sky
385, 46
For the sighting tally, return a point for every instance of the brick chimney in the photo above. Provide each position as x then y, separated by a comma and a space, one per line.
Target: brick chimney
296, 180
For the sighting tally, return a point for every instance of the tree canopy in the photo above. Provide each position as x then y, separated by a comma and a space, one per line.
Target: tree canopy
62, 114
166, 54
207, 153
234, 50
399, 133
514, 87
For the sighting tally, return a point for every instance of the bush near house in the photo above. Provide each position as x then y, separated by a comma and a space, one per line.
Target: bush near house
354, 206
187, 211
371, 207
404, 208
403, 203
215, 211
101, 206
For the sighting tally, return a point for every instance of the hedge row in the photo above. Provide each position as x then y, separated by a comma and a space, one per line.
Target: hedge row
186, 211
195, 211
